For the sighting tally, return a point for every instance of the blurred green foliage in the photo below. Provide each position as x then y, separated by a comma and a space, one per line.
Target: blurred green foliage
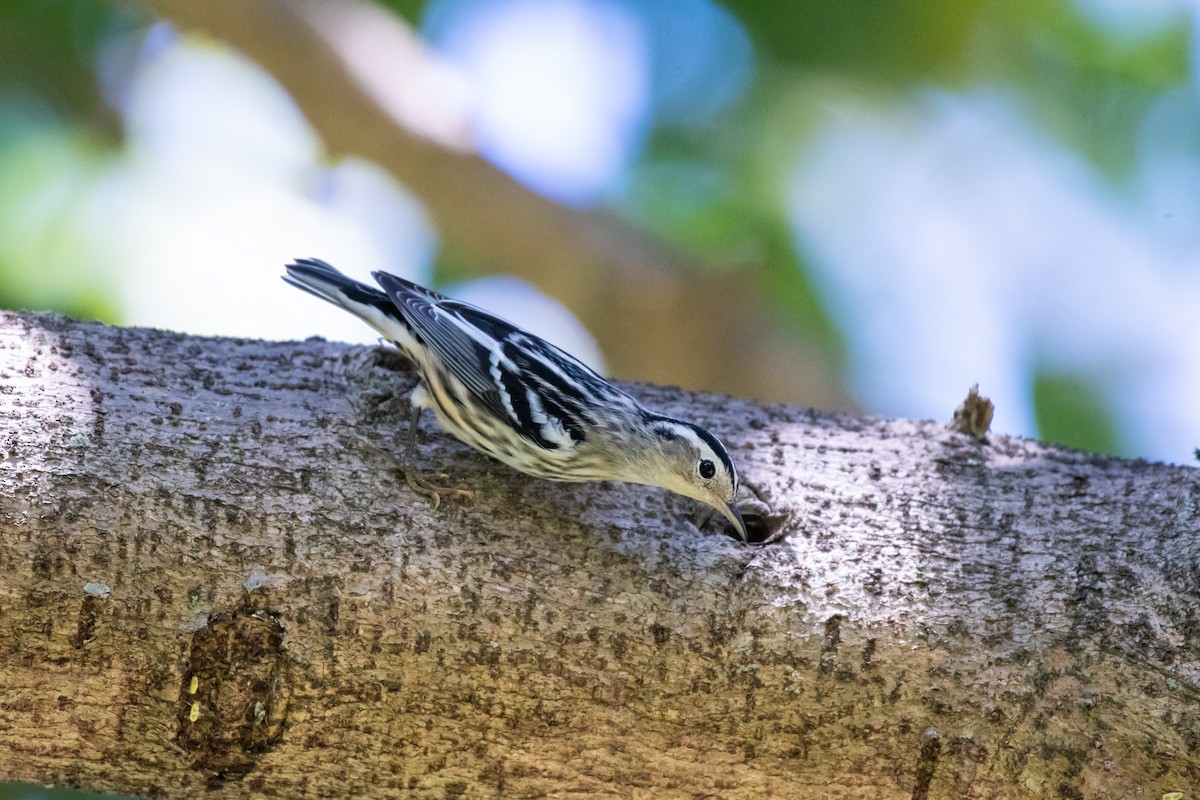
897, 41
48, 260
48, 55
1070, 411
57, 137
713, 208
705, 188
710, 188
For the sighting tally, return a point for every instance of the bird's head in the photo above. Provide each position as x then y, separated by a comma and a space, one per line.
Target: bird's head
689, 460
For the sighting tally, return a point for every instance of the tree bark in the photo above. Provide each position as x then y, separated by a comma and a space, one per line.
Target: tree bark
216, 578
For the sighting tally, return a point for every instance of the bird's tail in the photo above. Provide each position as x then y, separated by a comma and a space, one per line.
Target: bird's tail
366, 302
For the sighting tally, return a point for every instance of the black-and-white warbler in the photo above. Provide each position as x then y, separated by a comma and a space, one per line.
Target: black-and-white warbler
522, 400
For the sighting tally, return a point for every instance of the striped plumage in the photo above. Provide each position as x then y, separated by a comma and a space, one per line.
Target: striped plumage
522, 400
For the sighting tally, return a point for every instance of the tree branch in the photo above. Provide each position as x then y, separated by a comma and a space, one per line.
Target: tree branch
210, 583
655, 316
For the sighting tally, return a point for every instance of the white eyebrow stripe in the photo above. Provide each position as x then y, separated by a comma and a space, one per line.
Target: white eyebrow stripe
701, 442
689, 434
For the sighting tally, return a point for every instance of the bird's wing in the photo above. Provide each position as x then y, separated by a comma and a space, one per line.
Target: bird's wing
548, 396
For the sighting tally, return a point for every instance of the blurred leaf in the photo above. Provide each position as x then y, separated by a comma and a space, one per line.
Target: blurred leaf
692, 205
1087, 87
54, 218
888, 39
49, 50
705, 192
410, 11
1070, 411
1038, 33
1090, 90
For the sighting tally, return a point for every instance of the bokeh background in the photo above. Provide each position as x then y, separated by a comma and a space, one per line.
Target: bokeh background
923, 193
915, 195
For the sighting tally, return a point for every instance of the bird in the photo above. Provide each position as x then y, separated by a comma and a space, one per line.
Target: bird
519, 399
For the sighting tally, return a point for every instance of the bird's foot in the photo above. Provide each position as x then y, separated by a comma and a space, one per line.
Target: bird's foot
413, 478
432, 492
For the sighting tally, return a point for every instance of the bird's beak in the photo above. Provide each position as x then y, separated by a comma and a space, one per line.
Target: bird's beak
731, 512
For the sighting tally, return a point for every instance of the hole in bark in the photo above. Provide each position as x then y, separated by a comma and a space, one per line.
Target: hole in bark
233, 700
762, 525
391, 359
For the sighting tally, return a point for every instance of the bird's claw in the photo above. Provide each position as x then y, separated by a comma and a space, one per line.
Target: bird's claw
433, 493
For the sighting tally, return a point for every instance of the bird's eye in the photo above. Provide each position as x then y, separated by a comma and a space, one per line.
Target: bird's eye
707, 469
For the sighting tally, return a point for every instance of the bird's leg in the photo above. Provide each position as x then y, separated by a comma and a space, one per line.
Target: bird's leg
413, 478
408, 464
